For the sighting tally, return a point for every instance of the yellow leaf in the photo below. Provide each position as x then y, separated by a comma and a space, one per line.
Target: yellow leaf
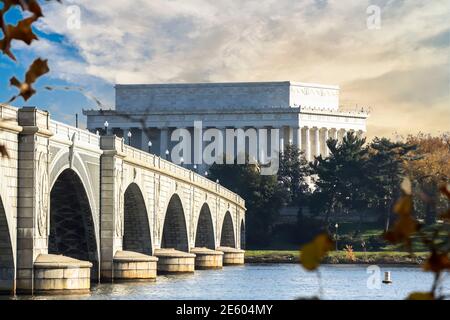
404, 205
421, 296
312, 253
406, 186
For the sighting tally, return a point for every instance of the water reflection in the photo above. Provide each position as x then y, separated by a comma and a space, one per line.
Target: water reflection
277, 281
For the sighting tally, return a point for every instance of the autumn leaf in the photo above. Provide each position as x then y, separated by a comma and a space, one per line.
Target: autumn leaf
405, 225
445, 190
37, 69
23, 30
437, 262
421, 296
312, 253
3, 151
404, 205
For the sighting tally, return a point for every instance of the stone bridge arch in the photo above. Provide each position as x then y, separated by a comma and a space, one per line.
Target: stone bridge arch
137, 235
64, 160
227, 234
72, 228
204, 229
175, 232
7, 270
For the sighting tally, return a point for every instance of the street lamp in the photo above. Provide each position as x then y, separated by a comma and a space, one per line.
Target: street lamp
206, 173
167, 154
149, 146
129, 137
336, 226
106, 125
217, 181
181, 161
195, 168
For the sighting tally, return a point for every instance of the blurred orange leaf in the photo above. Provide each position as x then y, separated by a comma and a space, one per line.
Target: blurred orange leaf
405, 226
437, 262
23, 30
404, 205
312, 253
421, 296
37, 69
445, 190
3, 151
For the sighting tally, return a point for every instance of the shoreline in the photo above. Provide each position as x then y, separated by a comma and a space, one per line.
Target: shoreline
340, 257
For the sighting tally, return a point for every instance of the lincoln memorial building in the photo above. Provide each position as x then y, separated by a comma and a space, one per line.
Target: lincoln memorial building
305, 114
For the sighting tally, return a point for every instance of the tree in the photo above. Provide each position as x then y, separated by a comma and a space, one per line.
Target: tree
293, 174
385, 172
428, 169
263, 195
341, 179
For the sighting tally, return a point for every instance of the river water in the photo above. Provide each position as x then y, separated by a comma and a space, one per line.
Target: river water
266, 282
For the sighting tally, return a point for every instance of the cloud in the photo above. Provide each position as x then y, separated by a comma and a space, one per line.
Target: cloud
403, 67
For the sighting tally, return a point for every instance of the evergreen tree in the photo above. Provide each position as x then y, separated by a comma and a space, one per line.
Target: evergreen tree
293, 173
341, 179
386, 171
263, 196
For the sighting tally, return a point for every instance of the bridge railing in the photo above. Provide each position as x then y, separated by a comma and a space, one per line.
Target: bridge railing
8, 113
65, 131
180, 172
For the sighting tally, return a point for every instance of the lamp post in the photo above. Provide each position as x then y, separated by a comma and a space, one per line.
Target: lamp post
181, 161
149, 146
217, 181
195, 168
167, 154
106, 125
206, 173
336, 226
129, 137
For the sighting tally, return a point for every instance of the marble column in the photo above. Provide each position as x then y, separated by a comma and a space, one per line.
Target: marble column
281, 139
144, 140
316, 142
342, 133
325, 146
360, 134
335, 134
307, 144
164, 142
298, 138
290, 135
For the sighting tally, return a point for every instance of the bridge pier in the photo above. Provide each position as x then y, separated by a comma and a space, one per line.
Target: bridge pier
132, 266
232, 256
174, 261
207, 258
57, 274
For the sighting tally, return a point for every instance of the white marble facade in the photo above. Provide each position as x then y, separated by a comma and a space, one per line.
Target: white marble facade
306, 114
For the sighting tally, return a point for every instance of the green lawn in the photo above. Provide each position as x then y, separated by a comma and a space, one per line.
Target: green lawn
335, 257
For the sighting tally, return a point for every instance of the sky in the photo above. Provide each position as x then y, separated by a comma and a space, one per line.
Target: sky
397, 65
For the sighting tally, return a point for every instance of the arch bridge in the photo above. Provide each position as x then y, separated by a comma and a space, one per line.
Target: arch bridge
76, 207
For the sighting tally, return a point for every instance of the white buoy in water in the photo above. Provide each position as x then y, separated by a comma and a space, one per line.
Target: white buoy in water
387, 277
